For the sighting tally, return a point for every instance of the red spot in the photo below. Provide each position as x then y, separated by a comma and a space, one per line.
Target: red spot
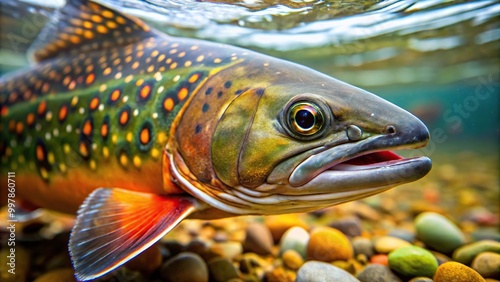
42, 108
87, 127
30, 119
90, 78
63, 113
94, 103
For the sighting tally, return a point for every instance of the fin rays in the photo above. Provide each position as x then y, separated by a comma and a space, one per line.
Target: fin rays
114, 225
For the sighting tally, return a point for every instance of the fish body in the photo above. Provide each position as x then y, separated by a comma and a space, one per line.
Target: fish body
129, 121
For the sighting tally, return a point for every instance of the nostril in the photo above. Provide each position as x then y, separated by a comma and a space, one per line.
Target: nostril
390, 129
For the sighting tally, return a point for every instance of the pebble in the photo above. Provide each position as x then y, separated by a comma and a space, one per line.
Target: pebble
295, 238
228, 249
403, 234
421, 279
350, 226
456, 272
258, 239
280, 274
438, 232
412, 261
185, 267
323, 272
147, 261
387, 244
221, 269
62, 274
363, 246
487, 264
292, 259
485, 234
278, 224
328, 244
377, 273
382, 259
466, 253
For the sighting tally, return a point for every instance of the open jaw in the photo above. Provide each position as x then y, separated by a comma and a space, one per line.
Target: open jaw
357, 170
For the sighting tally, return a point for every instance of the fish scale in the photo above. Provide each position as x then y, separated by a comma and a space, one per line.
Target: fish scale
137, 130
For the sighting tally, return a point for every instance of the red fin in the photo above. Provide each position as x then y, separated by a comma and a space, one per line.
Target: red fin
115, 225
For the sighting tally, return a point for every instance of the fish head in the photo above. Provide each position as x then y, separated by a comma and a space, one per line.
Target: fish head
301, 145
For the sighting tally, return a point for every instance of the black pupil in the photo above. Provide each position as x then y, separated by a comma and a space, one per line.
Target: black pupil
305, 119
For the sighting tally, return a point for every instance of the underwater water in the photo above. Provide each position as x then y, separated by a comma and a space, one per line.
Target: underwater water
437, 59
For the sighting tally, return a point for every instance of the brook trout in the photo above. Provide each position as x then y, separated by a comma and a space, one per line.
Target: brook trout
137, 130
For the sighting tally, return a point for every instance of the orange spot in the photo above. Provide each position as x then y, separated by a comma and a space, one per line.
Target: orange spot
88, 34
83, 149
182, 93
144, 137
90, 78
104, 130
40, 154
4, 111
102, 29
111, 24
120, 20
94, 103
145, 91
194, 78
87, 128
115, 95
75, 39
135, 65
168, 104
63, 112
87, 25
173, 65
124, 117
107, 71
75, 21
19, 127
42, 107
30, 119
96, 18
45, 87
107, 14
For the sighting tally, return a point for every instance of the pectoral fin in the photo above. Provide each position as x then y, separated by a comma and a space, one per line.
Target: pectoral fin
114, 225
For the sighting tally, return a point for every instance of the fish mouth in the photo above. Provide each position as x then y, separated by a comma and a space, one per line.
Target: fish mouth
361, 168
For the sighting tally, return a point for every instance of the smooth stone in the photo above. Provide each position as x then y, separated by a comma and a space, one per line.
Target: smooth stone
412, 261
221, 269
438, 232
228, 249
323, 272
185, 267
350, 226
147, 261
295, 238
382, 259
363, 246
258, 239
421, 279
403, 234
387, 244
328, 244
292, 259
487, 264
62, 274
485, 234
377, 273
456, 272
466, 253
278, 224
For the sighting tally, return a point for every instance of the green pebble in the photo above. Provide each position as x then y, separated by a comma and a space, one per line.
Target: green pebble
438, 232
466, 254
412, 261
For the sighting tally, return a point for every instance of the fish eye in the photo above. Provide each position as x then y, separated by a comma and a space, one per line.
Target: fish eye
305, 119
